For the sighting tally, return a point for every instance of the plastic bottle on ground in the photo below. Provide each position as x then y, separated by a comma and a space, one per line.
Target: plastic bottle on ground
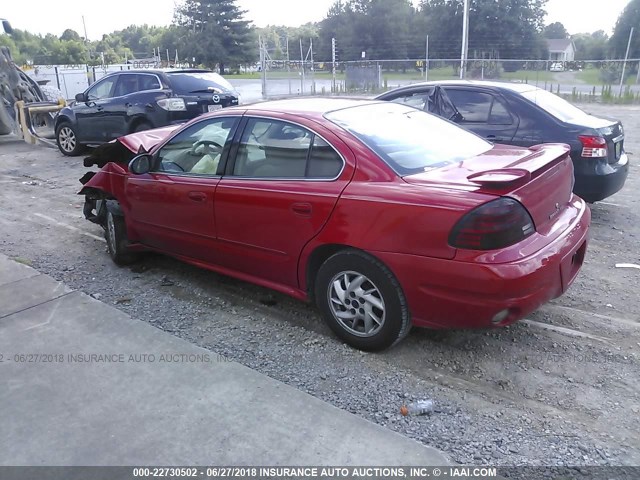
421, 407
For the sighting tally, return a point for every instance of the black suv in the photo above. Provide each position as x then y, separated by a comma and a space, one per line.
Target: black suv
134, 100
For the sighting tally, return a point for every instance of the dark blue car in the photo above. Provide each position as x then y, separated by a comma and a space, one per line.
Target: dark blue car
134, 100
523, 115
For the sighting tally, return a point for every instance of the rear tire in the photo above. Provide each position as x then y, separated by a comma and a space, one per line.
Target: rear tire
362, 301
115, 233
67, 140
142, 126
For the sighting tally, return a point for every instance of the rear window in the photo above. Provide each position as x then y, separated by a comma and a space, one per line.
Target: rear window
198, 82
408, 140
556, 106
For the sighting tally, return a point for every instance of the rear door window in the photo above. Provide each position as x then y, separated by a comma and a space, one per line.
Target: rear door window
500, 113
475, 107
277, 149
127, 84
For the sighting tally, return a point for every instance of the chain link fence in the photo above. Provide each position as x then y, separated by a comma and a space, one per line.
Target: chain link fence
587, 79
610, 80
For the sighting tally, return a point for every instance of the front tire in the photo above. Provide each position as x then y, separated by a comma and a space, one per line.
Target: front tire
362, 301
67, 140
115, 233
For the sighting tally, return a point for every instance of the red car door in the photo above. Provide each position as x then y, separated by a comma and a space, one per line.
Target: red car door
279, 192
171, 208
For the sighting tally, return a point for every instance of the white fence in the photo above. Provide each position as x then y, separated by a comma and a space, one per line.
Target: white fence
74, 79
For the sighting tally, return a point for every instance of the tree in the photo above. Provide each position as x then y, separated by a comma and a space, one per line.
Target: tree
381, 28
70, 35
508, 29
215, 33
630, 17
555, 30
591, 46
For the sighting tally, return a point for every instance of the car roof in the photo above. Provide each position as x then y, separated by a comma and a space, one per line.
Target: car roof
314, 106
514, 87
162, 70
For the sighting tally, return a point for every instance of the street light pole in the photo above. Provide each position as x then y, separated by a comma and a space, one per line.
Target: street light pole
624, 64
465, 40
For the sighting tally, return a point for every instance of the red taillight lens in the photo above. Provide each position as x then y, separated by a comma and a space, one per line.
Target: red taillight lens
593, 147
496, 224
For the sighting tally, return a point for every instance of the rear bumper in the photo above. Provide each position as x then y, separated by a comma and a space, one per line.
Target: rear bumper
453, 294
600, 180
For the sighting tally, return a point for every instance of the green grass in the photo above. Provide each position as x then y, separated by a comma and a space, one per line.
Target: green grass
529, 76
591, 76
442, 73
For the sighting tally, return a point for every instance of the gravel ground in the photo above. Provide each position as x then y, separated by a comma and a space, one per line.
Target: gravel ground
558, 389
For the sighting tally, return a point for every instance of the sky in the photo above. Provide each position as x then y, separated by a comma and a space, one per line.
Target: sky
105, 16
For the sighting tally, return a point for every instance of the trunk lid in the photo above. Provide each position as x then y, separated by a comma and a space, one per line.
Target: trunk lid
614, 135
540, 178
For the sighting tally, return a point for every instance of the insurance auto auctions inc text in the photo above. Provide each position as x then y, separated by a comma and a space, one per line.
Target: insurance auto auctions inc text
374, 472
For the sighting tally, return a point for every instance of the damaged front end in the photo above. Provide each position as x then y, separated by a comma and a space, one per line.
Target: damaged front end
98, 187
103, 188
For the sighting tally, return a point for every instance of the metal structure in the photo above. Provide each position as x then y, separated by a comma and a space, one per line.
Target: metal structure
24, 107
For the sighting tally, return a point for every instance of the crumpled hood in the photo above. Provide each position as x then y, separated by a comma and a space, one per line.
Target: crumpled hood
142, 142
123, 149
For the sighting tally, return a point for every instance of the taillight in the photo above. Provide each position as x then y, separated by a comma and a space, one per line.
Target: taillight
496, 224
172, 104
593, 147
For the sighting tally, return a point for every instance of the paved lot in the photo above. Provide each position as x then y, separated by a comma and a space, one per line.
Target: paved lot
560, 388
107, 389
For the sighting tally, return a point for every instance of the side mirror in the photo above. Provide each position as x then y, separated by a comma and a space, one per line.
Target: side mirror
7, 27
81, 97
141, 164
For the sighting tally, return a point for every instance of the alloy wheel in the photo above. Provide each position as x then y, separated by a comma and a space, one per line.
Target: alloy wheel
67, 139
356, 303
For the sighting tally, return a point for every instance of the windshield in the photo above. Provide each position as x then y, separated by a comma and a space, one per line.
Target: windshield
197, 82
556, 106
410, 141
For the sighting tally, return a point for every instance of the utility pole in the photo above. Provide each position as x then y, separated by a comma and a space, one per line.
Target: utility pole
288, 66
624, 64
465, 40
263, 68
86, 40
301, 70
426, 62
333, 65
313, 73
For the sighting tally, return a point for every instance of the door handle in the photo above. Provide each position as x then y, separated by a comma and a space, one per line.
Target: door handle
303, 209
99, 108
197, 196
493, 138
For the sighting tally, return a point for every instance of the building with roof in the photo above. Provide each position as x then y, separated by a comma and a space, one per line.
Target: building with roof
561, 49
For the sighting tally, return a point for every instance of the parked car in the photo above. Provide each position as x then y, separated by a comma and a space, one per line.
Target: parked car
523, 115
136, 100
556, 67
383, 215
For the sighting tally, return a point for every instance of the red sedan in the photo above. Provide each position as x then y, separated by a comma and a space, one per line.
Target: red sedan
383, 215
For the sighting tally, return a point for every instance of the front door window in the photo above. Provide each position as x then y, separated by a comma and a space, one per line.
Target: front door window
198, 149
